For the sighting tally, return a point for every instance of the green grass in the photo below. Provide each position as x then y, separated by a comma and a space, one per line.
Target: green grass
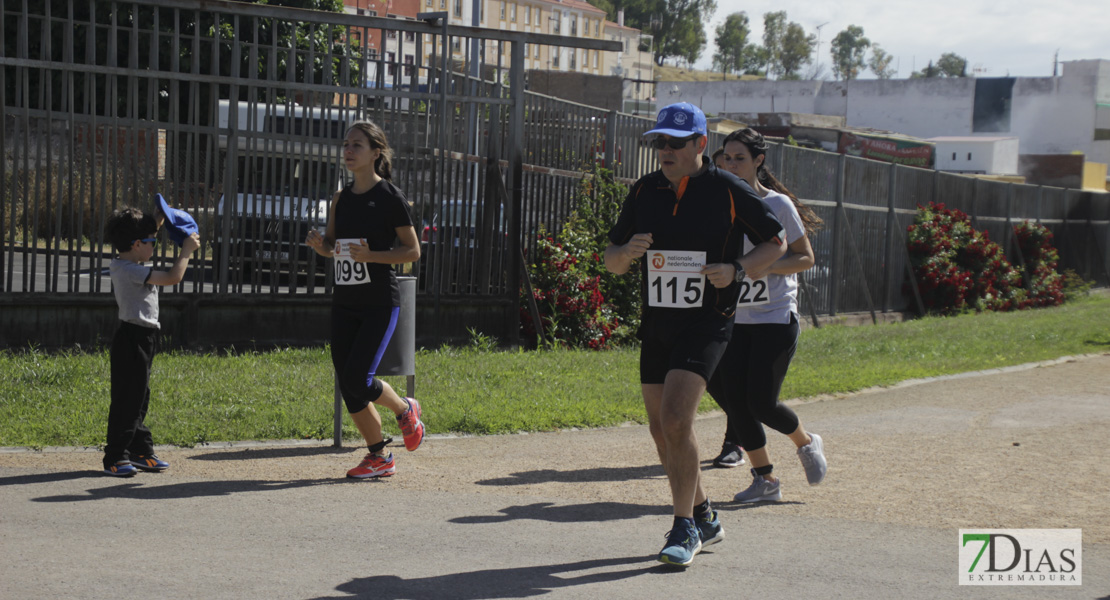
62, 398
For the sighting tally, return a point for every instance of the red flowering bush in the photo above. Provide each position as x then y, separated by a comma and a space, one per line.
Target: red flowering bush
572, 310
1046, 286
958, 268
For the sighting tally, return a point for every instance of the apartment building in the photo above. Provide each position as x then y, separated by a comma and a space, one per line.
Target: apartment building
633, 64
574, 18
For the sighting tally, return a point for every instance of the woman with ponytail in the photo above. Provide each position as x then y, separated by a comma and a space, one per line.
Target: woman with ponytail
369, 230
749, 377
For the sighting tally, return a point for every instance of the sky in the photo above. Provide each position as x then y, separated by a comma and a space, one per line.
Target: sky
1018, 38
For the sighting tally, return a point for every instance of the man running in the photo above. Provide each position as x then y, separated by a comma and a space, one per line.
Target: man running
688, 220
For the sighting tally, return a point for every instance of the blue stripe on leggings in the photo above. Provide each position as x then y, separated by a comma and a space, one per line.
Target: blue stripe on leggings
381, 347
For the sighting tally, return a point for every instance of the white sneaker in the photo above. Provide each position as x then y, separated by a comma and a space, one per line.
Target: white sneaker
813, 459
761, 490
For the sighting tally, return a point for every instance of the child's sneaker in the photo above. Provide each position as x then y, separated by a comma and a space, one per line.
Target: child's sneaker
373, 466
149, 463
412, 428
121, 469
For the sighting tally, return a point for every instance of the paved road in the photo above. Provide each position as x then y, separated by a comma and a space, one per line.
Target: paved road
581, 514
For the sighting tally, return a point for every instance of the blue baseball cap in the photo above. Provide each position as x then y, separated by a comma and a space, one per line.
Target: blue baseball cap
179, 224
680, 120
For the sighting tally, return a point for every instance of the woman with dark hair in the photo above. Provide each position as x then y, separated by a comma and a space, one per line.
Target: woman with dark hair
749, 377
367, 217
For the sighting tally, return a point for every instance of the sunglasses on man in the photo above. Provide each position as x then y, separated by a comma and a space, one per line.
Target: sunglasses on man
660, 142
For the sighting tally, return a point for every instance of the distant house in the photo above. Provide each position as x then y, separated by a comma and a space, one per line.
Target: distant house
986, 155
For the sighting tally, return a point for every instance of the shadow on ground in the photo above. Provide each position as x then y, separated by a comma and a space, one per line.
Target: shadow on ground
522, 582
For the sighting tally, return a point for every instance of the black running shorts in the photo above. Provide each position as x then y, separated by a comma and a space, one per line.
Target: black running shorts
694, 345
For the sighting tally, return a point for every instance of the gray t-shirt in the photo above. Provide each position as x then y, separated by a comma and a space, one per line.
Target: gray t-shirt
137, 299
773, 298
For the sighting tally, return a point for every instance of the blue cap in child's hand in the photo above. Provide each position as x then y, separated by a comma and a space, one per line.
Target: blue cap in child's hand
179, 224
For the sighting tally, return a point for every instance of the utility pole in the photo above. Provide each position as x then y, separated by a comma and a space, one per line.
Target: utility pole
817, 68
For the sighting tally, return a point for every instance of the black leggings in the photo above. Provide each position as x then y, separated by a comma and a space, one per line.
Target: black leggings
359, 337
749, 378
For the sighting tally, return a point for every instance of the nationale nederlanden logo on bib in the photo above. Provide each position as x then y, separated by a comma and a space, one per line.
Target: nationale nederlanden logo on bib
658, 261
1021, 557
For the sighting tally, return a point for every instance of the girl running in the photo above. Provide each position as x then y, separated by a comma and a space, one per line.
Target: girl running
366, 218
766, 332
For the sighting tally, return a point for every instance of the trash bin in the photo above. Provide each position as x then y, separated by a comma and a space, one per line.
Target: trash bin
400, 354
399, 357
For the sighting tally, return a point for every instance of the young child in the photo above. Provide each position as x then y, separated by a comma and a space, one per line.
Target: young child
133, 235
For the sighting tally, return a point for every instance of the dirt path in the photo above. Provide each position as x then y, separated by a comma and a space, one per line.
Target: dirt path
1022, 447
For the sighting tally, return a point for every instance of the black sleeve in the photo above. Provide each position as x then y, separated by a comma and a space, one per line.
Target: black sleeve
625, 226
754, 217
399, 214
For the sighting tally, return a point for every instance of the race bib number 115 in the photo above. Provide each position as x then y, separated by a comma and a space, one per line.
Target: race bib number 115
675, 279
347, 271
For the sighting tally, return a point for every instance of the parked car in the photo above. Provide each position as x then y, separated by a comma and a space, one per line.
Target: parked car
268, 231
455, 245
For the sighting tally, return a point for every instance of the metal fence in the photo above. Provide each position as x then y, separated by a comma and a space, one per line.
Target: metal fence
235, 113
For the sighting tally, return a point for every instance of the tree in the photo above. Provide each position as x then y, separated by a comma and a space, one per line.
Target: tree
849, 48
948, 65
927, 72
678, 25
774, 30
271, 38
952, 65
797, 48
732, 43
879, 63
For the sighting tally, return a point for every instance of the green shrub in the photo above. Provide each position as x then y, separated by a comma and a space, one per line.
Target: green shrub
580, 304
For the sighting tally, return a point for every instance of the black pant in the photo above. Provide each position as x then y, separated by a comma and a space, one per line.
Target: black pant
359, 336
132, 354
749, 378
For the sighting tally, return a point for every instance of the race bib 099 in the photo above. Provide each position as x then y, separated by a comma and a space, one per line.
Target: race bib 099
675, 279
347, 271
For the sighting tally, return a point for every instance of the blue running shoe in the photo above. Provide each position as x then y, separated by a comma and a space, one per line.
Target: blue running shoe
709, 528
150, 463
121, 469
683, 542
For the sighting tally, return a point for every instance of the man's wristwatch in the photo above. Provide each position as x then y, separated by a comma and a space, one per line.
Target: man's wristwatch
739, 271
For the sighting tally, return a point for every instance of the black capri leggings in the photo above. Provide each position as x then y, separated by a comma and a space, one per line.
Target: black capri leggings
359, 336
749, 378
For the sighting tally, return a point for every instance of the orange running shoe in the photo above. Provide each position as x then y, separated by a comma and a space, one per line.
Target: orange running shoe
373, 466
412, 428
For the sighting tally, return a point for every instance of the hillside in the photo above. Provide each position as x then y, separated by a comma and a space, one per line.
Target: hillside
669, 73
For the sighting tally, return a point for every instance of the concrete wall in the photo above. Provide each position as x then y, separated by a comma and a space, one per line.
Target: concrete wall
917, 107
1050, 115
201, 322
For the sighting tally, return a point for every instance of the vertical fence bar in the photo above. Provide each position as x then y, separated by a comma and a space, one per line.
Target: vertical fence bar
834, 256
888, 246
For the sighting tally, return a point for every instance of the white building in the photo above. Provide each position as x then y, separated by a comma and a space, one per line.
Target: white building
634, 64
1050, 115
976, 154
